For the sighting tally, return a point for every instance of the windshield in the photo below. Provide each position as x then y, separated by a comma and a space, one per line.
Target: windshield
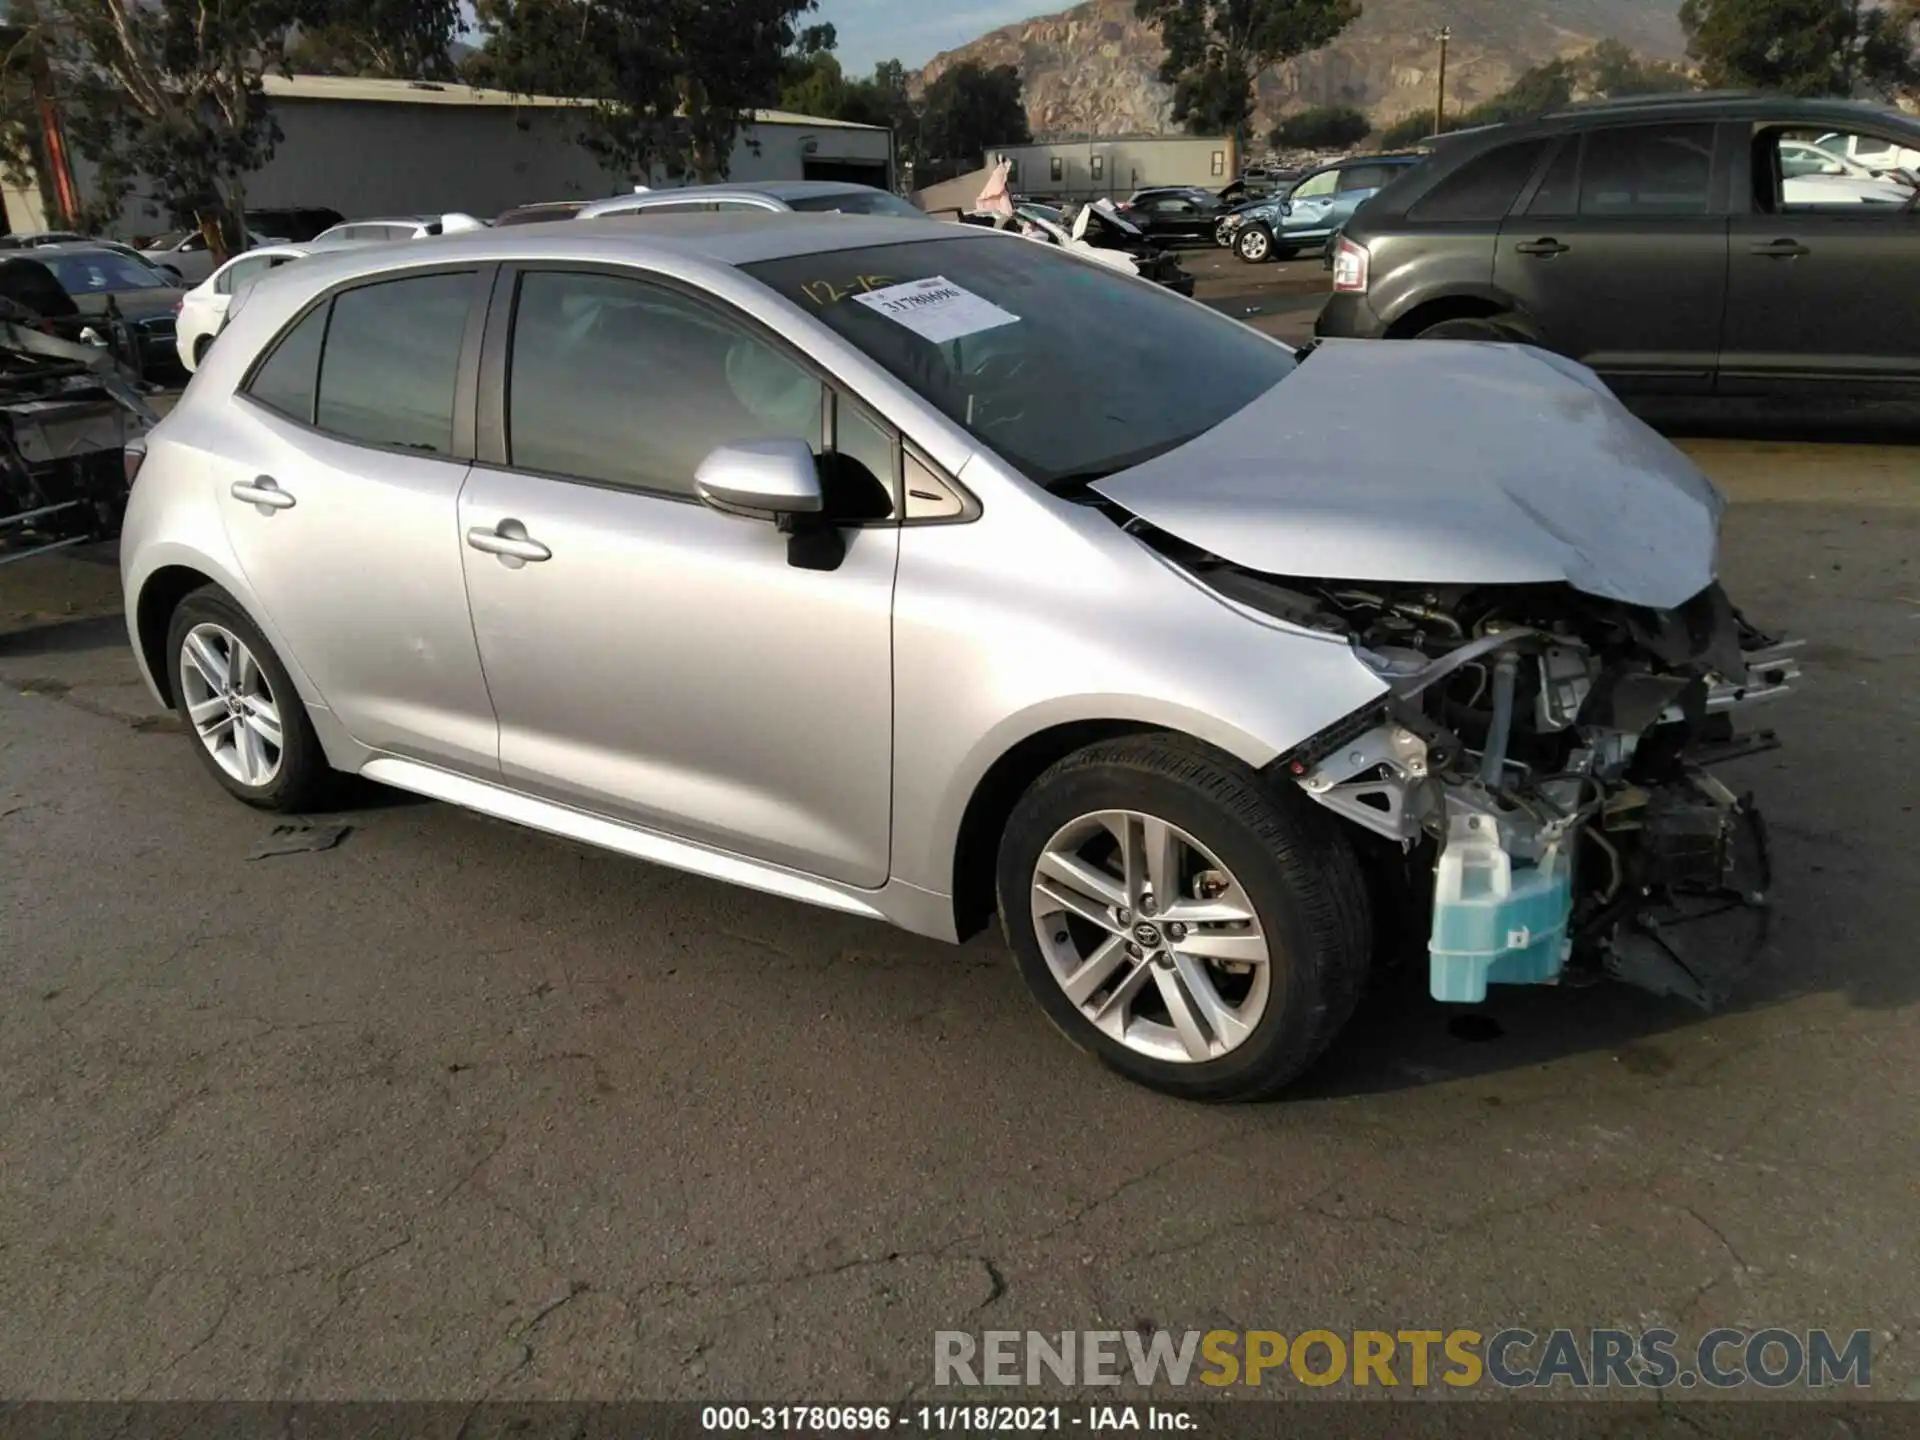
98, 272
1067, 369
859, 202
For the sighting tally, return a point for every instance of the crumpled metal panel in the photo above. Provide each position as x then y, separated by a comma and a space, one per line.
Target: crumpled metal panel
1443, 463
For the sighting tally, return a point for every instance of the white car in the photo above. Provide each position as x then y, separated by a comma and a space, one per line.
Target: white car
185, 253
1879, 156
1842, 190
402, 227
203, 309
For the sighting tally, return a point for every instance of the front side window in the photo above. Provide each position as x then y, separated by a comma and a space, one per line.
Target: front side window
1316, 187
1559, 192
1828, 173
1059, 366
1365, 177
391, 362
627, 383
1648, 170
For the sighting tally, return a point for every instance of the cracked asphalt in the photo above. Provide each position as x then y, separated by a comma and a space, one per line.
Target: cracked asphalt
453, 1110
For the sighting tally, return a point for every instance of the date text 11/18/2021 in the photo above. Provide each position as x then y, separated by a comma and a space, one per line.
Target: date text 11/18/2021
939, 1419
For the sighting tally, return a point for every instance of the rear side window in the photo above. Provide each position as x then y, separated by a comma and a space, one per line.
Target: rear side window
1485, 187
377, 365
289, 378
1648, 170
392, 362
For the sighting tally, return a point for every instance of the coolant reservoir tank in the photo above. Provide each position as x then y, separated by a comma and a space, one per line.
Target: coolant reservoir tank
1495, 922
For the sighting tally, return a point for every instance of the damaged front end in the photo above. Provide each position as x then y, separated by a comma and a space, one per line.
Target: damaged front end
1555, 752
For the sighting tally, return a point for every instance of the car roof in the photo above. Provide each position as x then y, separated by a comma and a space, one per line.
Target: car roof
1702, 105
678, 240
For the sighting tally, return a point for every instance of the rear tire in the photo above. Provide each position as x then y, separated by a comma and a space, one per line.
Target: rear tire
1471, 328
1251, 865
242, 714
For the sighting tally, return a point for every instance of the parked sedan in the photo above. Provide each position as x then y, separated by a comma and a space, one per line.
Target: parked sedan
775, 197
1662, 241
184, 253
102, 281
919, 573
1316, 208
203, 311
1173, 214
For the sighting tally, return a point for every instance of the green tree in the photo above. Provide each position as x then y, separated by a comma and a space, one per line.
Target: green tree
396, 39
672, 81
1801, 47
165, 97
1218, 49
1324, 127
970, 109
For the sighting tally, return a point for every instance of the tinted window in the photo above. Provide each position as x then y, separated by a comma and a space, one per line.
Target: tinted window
677, 207
1366, 177
860, 477
392, 362
1485, 187
1559, 192
1647, 170
286, 381
628, 383
1059, 366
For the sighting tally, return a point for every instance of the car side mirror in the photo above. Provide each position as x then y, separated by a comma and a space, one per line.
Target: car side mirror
779, 480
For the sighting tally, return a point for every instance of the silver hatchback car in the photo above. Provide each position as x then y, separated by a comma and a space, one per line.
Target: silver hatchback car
921, 572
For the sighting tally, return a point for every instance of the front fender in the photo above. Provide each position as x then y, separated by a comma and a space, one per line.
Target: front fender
1021, 623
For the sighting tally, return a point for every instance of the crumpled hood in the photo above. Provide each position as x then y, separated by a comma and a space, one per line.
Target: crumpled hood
1445, 462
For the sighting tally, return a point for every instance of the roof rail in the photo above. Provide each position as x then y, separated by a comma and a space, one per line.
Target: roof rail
1665, 100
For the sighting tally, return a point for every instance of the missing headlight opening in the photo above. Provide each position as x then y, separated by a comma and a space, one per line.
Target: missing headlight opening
1550, 753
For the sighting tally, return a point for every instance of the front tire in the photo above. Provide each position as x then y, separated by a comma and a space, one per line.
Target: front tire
1254, 244
1196, 929
245, 719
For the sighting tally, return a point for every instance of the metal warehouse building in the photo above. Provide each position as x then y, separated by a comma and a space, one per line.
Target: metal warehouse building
368, 147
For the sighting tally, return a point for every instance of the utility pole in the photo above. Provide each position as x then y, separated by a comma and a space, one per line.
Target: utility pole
1440, 99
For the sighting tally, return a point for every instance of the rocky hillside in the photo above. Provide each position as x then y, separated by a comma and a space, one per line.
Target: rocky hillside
1091, 69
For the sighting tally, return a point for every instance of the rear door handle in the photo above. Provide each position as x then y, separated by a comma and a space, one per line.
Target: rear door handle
1546, 249
263, 492
510, 541
1780, 250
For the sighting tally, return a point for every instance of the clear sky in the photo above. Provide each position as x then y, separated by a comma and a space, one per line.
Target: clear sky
914, 31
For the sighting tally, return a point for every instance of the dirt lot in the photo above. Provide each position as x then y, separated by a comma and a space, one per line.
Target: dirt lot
452, 1109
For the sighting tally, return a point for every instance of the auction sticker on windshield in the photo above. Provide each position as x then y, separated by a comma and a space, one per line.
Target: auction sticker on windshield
936, 309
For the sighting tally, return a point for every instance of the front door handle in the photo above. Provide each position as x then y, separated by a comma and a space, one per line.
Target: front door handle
263, 492
510, 541
1546, 248
1780, 250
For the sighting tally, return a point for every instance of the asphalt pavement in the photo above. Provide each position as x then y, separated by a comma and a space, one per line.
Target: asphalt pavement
401, 1102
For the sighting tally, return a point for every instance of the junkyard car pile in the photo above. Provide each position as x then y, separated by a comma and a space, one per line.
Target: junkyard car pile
1144, 632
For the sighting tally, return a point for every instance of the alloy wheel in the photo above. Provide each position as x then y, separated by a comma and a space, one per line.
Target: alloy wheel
231, 704
1253, 245
1151, 937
